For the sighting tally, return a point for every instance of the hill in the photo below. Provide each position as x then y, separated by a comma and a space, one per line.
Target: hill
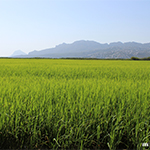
92, 49
18, 53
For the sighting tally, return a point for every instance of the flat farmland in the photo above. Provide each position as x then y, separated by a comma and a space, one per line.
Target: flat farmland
74, 104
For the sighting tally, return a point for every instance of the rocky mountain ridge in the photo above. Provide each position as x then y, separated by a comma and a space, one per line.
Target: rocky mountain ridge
92, 49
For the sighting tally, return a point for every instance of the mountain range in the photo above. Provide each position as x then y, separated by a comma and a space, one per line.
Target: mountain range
92, 49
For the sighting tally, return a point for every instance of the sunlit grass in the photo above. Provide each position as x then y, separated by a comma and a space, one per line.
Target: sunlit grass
74, 103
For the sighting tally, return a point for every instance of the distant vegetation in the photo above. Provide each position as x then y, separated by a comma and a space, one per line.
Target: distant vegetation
81, 58
74, 104
136, 58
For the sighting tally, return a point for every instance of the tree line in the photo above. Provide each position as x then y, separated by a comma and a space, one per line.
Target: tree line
136, 58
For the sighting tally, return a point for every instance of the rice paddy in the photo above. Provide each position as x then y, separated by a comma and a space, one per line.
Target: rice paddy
74, 104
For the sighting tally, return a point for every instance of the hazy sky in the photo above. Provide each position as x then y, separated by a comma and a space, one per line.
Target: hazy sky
29, 25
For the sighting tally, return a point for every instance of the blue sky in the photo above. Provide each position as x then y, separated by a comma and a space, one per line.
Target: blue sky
29, 25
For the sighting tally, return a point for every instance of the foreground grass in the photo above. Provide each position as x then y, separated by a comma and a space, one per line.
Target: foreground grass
74, 103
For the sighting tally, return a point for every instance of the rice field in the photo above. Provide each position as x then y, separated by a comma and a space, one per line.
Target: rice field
74, 104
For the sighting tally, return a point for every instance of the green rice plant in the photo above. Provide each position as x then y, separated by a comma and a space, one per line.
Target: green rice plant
64, 103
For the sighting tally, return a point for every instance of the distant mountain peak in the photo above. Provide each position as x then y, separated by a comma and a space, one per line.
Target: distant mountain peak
84, 41
63, 44
18, 52
116, 43
79, 41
